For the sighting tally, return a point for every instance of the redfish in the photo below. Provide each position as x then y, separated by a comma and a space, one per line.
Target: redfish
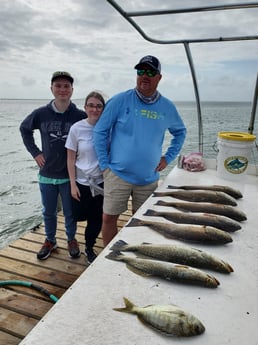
223, 210
217, 188
177, 254
185, 232
200, 196
166, 270
219, 222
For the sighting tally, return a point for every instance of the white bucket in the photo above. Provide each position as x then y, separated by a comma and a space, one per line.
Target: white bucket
234, 151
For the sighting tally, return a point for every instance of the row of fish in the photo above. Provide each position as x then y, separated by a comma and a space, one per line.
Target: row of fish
208, 216
210, 206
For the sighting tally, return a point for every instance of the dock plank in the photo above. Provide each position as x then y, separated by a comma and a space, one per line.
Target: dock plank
8, 339
21, 308
57, 264
23, 304
15, 323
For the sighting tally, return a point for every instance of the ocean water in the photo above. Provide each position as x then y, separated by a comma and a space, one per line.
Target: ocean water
20, 206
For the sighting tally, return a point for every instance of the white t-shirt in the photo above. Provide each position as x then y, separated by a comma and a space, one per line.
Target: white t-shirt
80, 140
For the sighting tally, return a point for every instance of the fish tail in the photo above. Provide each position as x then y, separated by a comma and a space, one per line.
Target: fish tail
115, 255
175, 187
149, 213
118, 245
161, 203
128, 306
135, 222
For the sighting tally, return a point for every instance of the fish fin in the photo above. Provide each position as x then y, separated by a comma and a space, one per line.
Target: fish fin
118, 245
134, 222
183, 266
146, 243
143, 256
137, 271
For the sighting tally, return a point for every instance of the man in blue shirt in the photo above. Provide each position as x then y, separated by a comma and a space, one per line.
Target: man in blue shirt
128, 140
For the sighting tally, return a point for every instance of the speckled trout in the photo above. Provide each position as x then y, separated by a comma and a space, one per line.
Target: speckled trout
166, 270
166, 319
219, 222
200, 196
177, 254
223, 210
217, 188
185, 232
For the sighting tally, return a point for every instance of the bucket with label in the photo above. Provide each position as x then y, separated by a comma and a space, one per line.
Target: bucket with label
234, 151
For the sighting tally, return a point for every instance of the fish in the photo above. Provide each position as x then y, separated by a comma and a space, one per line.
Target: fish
236, 164
223, 210
165, 270
219, 222
169, 320
184, 232
235, 193
176, 254
200, 196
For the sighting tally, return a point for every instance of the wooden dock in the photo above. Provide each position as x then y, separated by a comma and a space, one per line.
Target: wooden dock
22, 307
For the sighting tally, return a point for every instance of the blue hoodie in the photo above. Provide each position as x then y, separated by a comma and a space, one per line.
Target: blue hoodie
129, 135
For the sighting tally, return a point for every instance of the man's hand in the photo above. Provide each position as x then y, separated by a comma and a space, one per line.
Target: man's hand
162, 164
40, 160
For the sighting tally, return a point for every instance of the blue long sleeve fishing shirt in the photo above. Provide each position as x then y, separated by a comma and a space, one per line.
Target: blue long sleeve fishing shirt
129, 135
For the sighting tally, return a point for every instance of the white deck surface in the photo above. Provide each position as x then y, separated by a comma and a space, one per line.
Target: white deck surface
84, 314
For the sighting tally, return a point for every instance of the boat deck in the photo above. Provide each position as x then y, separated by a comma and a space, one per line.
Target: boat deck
21, 307
229, 312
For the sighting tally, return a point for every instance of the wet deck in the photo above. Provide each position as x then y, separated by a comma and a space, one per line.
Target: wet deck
22, 307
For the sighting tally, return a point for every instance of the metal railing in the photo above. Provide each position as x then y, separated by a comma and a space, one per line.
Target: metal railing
187, 41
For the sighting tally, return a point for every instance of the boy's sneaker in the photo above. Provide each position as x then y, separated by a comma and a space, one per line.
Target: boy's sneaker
91, 255
74, 250
46, 249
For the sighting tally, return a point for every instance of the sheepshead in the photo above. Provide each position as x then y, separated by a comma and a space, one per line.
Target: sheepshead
176, 254
217, 188
169, 319
165, 270
219, 222
200, 196
223, 210
184, 232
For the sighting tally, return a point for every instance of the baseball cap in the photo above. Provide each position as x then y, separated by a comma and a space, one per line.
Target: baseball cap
61, 74
151, 61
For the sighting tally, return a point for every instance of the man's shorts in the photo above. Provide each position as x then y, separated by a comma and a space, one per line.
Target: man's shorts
117, 193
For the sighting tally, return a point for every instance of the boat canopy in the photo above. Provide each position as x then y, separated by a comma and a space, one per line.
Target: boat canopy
244, 7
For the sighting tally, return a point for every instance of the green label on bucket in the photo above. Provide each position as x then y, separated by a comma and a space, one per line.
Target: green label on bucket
236, 164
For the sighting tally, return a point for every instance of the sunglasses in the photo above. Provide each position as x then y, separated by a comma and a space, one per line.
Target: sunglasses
149, 72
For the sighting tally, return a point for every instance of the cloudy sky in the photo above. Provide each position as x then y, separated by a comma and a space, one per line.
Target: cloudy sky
99, 48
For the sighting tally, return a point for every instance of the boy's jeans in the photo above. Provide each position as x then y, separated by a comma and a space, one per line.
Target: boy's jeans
49, 197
